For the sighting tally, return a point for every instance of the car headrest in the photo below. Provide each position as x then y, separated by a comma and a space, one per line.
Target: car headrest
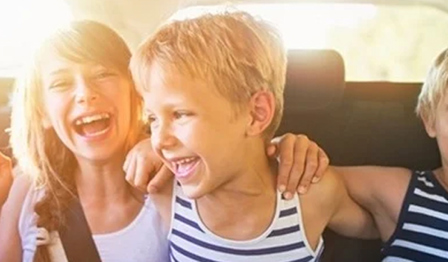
315, 80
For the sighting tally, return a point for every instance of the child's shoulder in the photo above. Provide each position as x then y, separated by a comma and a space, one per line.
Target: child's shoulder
21, 187
321, 200
317, 206
326, 191
11, 213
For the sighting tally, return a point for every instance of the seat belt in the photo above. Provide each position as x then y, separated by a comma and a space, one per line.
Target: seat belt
76, 236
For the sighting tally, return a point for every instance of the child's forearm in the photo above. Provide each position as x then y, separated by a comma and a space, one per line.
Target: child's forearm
5, 185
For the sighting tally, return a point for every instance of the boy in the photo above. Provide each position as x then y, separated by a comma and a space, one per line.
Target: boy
411, 208
213, 92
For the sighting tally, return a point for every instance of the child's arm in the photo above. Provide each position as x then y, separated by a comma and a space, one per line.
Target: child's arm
329, 204
372, 185
380, 190
10, 248
5, 178
348, 218
163, 197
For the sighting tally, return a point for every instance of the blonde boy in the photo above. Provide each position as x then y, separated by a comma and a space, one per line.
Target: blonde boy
213, 92
410, 208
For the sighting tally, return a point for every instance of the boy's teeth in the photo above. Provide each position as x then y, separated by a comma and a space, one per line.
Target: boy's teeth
185, 160
90, 119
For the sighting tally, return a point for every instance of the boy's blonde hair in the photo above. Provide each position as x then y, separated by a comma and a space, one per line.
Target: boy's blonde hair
39, 151
236, 52
434, 88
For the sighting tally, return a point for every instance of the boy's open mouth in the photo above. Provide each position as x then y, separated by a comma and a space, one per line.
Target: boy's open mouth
182, 167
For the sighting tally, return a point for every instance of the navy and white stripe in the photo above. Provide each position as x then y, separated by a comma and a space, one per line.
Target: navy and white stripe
284, 241
422, 231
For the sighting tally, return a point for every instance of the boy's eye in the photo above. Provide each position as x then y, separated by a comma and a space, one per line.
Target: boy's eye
103, 74
181, 114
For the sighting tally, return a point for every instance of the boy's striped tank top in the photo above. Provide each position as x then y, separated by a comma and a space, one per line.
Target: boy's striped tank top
283, 241
422, 230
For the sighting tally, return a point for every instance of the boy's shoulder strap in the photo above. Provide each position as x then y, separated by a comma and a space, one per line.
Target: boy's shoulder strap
76, 236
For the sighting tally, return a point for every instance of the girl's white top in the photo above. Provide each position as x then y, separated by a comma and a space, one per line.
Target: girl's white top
143, 240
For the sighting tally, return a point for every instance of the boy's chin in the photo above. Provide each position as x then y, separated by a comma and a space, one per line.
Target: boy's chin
193, 191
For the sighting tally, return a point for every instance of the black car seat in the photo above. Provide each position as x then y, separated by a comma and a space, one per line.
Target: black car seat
356, 123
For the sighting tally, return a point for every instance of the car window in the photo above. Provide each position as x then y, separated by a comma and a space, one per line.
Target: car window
394, 43
23, 23
378, 42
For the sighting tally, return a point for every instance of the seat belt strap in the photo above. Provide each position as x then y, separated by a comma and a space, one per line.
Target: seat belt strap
76, 236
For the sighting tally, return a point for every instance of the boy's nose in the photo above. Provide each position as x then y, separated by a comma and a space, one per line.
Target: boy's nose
162, 138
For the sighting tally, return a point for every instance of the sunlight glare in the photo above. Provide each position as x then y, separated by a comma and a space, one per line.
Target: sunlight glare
303, 26
23, 24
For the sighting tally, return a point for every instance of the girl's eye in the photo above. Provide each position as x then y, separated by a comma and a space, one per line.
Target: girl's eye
60, 84
151, 119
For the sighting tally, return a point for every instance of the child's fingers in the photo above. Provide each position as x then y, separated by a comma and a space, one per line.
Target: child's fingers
311, 167
130, 170
159, 181
324, 161
129, 159
143, 172
126, 162
271, 150
286, 159
301, 148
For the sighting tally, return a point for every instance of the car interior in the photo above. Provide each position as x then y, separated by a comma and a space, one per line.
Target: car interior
356, 122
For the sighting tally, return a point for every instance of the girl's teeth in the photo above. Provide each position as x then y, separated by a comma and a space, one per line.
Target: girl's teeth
89, 119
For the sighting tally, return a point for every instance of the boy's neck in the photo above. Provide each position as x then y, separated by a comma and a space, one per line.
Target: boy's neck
257, 179
251, 199
442, 176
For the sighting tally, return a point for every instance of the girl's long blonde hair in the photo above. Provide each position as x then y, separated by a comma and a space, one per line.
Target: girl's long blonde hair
38, 150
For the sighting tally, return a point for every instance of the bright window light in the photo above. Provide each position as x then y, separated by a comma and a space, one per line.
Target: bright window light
377, 42
303, 26
23, 24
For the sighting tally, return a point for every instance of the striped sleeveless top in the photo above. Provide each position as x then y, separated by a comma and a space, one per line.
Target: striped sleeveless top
283, 241
421, 234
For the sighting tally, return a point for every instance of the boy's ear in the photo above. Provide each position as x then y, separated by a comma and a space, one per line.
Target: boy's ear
262, 109
429, 123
